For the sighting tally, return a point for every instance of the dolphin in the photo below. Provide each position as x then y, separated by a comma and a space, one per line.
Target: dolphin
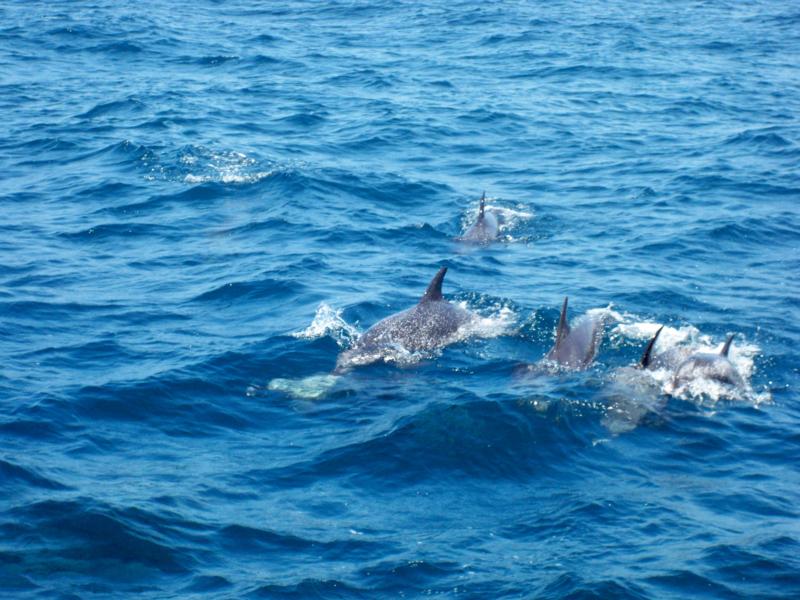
632, 394
430, 324
485, 229
709, 366
647, 362
668, 359
576, 347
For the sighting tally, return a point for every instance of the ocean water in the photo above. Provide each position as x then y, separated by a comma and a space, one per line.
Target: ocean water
203, 204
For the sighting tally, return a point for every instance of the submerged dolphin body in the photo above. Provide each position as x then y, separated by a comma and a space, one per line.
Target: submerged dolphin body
708, 366
576, 347
633, 393
485, 229
430, 324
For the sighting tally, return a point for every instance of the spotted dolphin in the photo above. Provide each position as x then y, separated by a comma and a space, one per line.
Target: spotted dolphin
576, 347
485, 228
709, 366
430, 324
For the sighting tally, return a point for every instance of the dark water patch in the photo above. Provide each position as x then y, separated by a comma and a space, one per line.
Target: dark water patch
100, 352
266, 38
746, 570
775, 231
442, 83
365, 78
112, 232
209, 61
46, 144
303, 119
118, 153
108, 189
310, 588
125, 47
719, 46
571, 585
760, 504
239, 291
758, 137
47, 429
206, 584
52, 311
11, 474
682, 583
240, 539
165, 402
417, 575
83, 536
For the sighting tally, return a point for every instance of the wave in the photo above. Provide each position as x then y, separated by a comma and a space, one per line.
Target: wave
82, 536
483, 440
12, 474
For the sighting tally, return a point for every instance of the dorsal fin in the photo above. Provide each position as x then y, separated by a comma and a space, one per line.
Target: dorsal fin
648, 351
563, 327
726, 348
434, 291
483, 205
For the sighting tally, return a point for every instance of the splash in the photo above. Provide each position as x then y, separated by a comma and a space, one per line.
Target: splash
328, 321
605, 314
498, 320
198, 164
225, 167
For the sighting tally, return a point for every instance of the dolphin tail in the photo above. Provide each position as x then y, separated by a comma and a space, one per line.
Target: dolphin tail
434, 291
563, 327
648, 351
726, 348
483, 205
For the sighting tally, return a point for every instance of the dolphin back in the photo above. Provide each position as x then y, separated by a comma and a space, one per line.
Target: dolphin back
432, 323
485, 228
647, 356
575, 347
434, 291
727, 347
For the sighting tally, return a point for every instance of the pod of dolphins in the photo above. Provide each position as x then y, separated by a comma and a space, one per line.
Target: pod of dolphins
434, 322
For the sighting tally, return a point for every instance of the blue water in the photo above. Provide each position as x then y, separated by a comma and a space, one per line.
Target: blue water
204, 203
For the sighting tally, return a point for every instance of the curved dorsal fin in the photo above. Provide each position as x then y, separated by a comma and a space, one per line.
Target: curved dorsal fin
726, 348
563, 327
483, 205
648, 351
434, 291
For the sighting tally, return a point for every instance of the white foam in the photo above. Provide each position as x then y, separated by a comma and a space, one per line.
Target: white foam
231, 177
499, 321
225, 167
688, 340
606, 314
328, 321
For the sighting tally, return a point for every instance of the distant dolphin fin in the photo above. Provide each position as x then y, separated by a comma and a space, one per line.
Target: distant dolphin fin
434, 291
727, 346
648, 351
483, 205
563, 327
